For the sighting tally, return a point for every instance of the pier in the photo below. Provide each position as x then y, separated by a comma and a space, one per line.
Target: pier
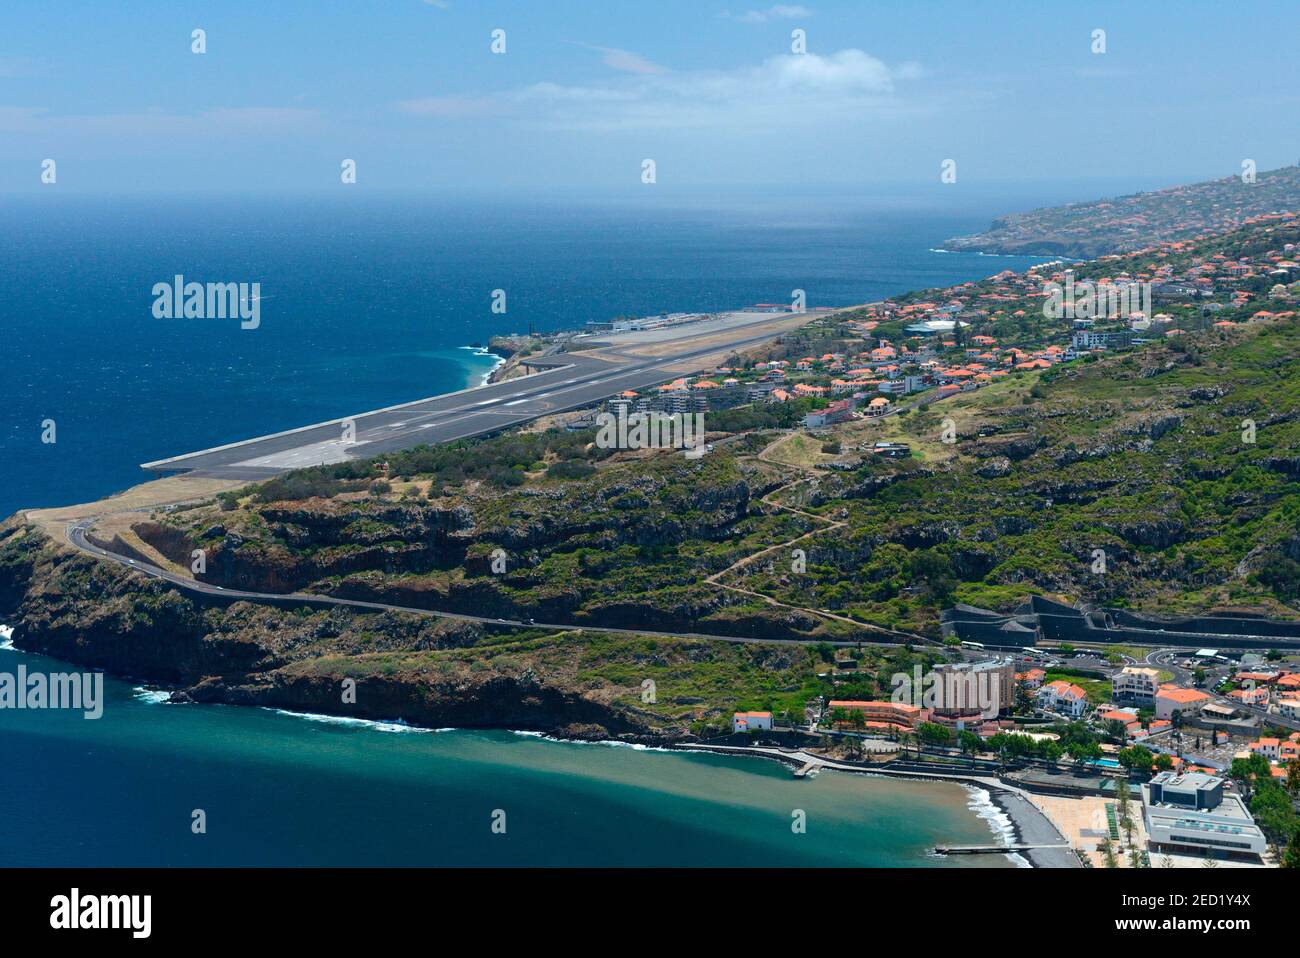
988, 849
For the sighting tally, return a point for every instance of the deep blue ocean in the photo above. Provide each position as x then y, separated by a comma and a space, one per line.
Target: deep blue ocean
367, 302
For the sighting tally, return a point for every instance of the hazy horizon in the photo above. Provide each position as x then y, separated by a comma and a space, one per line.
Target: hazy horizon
583, 94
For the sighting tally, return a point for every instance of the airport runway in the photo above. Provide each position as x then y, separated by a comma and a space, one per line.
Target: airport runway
565, 381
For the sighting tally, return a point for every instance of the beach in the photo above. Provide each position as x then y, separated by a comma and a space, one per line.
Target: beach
320, 790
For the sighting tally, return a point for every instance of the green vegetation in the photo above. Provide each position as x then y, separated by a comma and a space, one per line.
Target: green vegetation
1142, 455
1108, 226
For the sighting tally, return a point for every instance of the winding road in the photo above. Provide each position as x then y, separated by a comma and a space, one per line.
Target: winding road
76, 537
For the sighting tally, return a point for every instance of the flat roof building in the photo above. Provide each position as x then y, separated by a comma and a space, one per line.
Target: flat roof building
1191, 811
973, 691
1135, 684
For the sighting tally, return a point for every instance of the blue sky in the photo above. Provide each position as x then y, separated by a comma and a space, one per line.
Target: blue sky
586, 90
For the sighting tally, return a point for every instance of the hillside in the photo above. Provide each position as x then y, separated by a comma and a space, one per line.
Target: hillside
1120, 224
1178, 460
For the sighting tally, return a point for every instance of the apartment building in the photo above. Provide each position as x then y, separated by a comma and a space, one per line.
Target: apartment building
1135, 685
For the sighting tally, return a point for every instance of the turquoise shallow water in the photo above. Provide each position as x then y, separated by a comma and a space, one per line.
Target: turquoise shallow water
281, 789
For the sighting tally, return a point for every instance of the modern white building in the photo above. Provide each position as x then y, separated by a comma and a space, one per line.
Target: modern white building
1192, 812
1085, 339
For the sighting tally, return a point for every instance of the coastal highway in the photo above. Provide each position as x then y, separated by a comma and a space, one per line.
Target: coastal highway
567, 381
76, 537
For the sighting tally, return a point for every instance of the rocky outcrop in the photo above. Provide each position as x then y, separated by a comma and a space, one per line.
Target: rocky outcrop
521, 702
101, 615
1157, 427
1153, 533
1016, 448
995, 468
20, 547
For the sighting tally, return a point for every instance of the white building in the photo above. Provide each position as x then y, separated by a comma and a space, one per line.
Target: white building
1289, 707
1191, 811
1135, 684
1172, 700
1064, 698
751, 722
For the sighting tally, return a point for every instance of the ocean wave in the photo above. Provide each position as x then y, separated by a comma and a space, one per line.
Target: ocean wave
607, 742
484, 351
940, 251
378, 725
152, 696
999, 822
7, 637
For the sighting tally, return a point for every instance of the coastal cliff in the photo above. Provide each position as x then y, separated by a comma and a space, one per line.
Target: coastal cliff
1125, 223
425, 670
1175, 462
99, 615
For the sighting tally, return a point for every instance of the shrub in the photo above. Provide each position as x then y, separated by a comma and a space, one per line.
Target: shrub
571, 469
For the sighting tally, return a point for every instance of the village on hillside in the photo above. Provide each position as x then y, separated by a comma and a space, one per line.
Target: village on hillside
938, 343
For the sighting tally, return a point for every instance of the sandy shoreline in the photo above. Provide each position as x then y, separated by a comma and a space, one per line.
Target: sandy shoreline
1010, 818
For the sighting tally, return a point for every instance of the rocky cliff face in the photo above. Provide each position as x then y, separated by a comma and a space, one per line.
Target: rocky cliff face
93, 613
440, 556
521, 702
97, 614
298, 545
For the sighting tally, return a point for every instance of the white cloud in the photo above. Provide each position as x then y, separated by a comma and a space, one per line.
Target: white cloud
783, 90
812, 93
626, 61
780, 11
